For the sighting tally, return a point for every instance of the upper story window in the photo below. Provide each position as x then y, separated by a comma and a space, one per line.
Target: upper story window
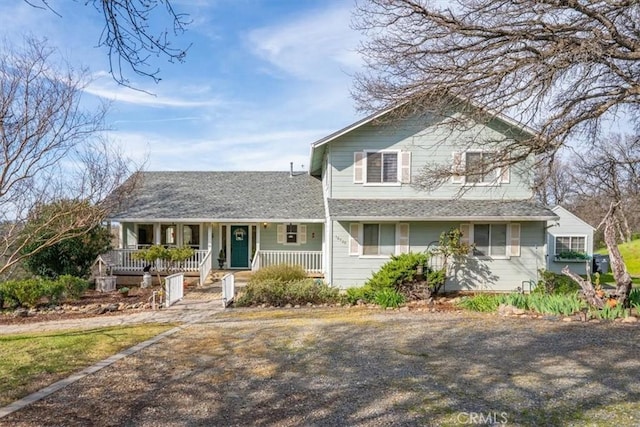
382, 167
478, 168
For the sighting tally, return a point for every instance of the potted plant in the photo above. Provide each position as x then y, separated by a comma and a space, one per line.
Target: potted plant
124, 291
221, 258
572, 256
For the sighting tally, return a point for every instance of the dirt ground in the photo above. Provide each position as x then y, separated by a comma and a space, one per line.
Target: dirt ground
362, 367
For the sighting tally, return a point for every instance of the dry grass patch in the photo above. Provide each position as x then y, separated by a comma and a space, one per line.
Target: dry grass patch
29, 362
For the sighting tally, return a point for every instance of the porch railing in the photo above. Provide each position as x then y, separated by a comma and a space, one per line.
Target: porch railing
121, 261
311, 261
205, 267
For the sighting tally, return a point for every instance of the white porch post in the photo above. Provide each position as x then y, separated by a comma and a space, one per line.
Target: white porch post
156, 234
209, 237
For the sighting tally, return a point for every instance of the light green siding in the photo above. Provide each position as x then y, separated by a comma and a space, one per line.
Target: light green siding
269, 239
428, 144
568, 225
474, 274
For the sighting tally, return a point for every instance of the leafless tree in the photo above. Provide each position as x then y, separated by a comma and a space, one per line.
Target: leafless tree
129, 35
609, 172
561, 67
50, 154
554, 184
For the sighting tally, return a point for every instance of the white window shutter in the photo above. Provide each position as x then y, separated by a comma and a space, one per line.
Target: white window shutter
457, 168
405, 167
354, 239
402, 241
466, 239
280, 233
302, 234
505, 174
358, 167
514, 240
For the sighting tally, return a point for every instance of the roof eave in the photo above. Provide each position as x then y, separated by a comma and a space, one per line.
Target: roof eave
446, 218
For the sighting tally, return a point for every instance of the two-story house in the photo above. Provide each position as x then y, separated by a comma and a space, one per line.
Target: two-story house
357, 205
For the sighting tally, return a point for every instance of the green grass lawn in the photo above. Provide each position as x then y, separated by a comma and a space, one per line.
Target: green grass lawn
30, 362
631, 253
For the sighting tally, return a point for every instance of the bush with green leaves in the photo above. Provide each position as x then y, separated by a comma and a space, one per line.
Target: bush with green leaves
279, 293
360, 293
279, 272
399, 269
485, 303
553, 283
388, 298
30, 292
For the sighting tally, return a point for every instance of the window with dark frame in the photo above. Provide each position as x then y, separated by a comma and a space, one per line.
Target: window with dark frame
292, 233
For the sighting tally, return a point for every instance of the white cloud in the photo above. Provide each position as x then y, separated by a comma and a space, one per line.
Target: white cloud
317, 46
192, 96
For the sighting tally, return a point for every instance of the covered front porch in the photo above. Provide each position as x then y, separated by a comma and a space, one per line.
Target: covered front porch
222, 245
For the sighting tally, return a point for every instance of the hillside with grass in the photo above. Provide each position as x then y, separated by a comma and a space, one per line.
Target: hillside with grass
630, 253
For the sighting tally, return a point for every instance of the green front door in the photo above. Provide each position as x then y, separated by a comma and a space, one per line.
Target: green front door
239, 246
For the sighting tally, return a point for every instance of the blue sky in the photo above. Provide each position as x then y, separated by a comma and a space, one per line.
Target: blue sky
262, 80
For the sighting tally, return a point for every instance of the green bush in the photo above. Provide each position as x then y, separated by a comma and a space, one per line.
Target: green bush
362, 293
485, 303
74, 287
53, 290
388, 298
401, 268
280, 272
553, 283
279, 293
29, 292
634, 299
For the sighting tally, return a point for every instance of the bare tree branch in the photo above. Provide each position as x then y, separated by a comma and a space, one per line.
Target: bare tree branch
56, 175
560, 67
130, 34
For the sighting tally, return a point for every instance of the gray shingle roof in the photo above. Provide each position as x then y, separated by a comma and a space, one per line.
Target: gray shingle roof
225, 196
438, 209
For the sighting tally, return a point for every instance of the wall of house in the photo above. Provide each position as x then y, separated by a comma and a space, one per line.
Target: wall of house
475, 274
428, 144
567, 225
269, 239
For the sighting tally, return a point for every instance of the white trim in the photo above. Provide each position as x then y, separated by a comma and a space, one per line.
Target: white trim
558, 207
569, 235
217, 220
444, 218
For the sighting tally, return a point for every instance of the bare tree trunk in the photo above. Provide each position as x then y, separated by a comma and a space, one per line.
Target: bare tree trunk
618, 268
588, 290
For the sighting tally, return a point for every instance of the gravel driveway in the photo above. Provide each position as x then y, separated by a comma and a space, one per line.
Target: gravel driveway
359, 367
